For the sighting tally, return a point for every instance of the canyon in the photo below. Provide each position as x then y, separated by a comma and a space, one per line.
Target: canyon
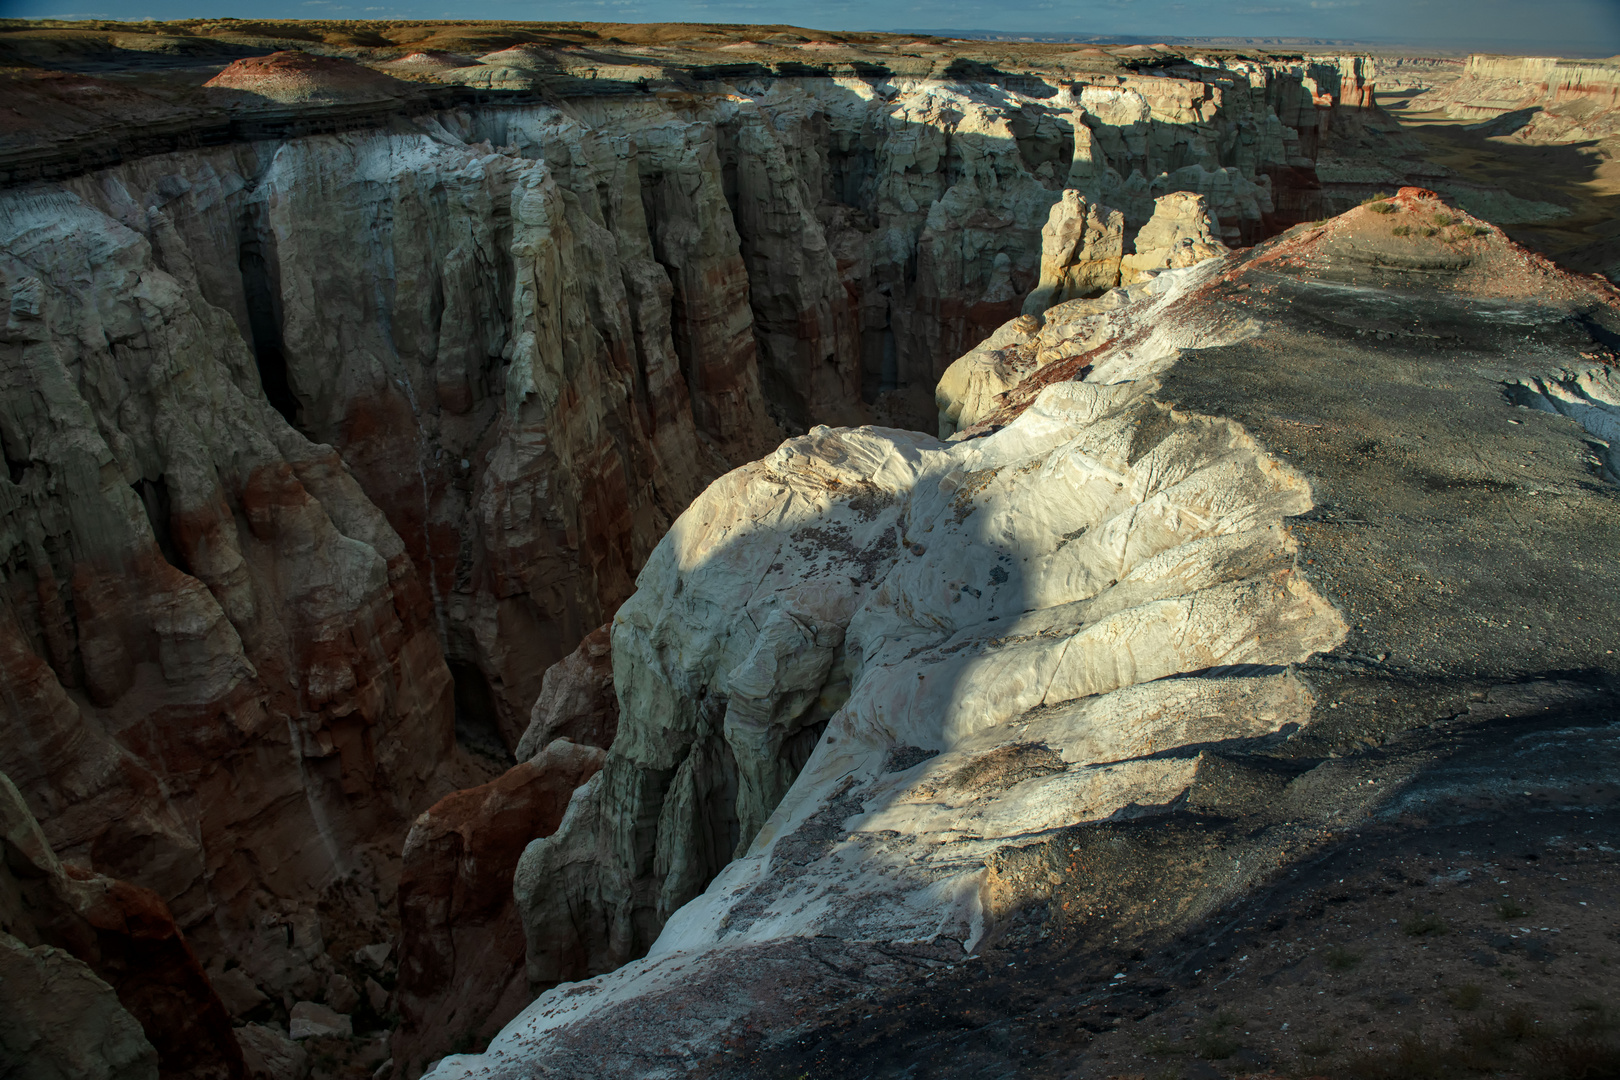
474, 521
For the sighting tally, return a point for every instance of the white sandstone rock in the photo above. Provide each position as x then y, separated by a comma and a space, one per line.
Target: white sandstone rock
1181, 233
999, 634
1081, 246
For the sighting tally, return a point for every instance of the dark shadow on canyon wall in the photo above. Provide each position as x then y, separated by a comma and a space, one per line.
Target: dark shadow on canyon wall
888, 298
516, 557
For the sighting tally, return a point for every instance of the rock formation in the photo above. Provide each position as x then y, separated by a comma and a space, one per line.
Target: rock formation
461, 967
344, 394
1081, 247
221, 678
61, 1022
70, 941
1535, 99
1180, 233
282, 497
1087, 607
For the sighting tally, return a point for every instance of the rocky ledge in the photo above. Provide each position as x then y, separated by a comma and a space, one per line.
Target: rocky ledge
352, 379
1286, 506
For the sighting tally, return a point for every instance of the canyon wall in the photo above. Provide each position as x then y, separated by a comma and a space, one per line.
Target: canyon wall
321, 449
1093, 666
1534, 99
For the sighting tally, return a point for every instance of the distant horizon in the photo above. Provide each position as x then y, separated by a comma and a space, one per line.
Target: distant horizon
1579, 29
1230, 41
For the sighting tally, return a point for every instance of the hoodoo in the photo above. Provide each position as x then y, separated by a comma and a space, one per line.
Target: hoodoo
534, 552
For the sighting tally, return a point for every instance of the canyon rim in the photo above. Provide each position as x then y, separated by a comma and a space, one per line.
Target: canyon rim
582, 550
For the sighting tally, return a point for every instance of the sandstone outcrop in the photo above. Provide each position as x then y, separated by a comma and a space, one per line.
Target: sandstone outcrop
1081, 247
372, 486
221, 678
1180, 233
1086, 610
576, 699
1534, 99
290, 77
325, 447
461, 967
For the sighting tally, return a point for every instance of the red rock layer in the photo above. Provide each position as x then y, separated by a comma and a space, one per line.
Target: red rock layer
126, 935
461, 969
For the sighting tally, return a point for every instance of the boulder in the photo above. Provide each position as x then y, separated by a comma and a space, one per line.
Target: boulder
237, 992
269, 1054
312, 1020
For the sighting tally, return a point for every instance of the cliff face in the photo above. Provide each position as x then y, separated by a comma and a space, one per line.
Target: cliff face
1180, 604
221, 674
1535, 99
322, 448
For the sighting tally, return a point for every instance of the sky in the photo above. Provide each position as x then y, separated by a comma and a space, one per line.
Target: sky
1562, 27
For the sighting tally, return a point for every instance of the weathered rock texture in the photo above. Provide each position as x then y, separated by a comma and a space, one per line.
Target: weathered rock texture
1085, 608
461, 967
461, 962
576, 700
322, 447
1535, 99
269, 1054
1181, 233
72, 939
220, 673
1081, 246
61, 1022
852, 583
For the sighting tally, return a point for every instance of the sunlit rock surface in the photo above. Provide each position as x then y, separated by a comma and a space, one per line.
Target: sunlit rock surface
322, 448
348, 390
1180, 233
1087, 608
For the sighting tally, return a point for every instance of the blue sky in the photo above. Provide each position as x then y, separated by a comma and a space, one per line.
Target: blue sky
1569, 27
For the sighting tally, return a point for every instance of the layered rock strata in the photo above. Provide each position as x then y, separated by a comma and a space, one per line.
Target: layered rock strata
324, 448
461, 968
99, 982
320, 447
221, 675
1534, 99
1087, 607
